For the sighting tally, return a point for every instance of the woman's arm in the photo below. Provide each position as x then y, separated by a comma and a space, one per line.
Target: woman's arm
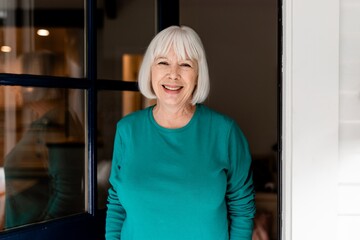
115, 214
240, 190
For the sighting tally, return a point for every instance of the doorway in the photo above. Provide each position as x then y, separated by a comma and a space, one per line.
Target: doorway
241, 41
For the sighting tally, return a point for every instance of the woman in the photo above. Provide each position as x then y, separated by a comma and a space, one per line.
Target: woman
180, 170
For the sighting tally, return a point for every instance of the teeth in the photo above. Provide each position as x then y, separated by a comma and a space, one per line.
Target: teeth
171, 88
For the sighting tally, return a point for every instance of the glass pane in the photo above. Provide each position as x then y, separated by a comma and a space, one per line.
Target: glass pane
42, 147
42, 37
112, 106
128, 27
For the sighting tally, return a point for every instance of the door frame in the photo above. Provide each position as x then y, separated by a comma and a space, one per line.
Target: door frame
310, 127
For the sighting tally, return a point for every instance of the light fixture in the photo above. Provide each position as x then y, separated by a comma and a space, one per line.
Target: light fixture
43, 32
5, 49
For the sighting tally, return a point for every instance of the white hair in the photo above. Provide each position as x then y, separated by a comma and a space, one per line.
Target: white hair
186, 43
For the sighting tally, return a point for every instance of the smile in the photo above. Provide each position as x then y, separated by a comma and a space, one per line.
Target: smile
172, 88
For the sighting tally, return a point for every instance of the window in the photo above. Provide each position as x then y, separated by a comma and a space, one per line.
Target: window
65, 83
43, 123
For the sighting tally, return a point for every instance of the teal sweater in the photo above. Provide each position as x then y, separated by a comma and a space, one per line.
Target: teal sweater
187, 183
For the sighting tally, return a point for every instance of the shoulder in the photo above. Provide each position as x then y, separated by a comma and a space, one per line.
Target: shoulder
218, 118
223, 124
134, 118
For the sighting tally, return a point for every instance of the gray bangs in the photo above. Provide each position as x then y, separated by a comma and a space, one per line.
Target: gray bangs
183, 46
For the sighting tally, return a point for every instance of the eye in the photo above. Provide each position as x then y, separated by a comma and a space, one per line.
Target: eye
163, 63
185, 65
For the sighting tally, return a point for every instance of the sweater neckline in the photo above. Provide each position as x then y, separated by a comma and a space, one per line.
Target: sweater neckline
191, 122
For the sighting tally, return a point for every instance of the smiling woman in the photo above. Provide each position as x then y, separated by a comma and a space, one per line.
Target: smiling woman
178, 157
182, 47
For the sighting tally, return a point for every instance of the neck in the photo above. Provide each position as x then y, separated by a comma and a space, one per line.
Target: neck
173, 117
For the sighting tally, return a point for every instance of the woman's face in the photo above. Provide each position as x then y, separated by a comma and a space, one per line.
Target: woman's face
173, 80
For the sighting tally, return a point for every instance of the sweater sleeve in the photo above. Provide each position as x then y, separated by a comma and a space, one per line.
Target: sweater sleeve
240, 190
115, 214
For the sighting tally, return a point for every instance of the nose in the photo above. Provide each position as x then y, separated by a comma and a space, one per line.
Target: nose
174, 72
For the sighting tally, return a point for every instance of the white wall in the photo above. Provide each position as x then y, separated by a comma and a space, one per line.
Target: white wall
311, 87
349, 116
321, 119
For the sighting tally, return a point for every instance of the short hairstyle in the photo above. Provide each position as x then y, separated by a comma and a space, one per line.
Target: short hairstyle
186, 43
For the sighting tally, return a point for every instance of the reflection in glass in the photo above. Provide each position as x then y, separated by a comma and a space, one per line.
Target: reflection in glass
108, 113
41, 154
128, 28
34, 41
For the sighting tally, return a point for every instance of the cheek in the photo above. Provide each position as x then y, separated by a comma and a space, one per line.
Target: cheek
155, 76
153, 79
153, 85
194, 80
